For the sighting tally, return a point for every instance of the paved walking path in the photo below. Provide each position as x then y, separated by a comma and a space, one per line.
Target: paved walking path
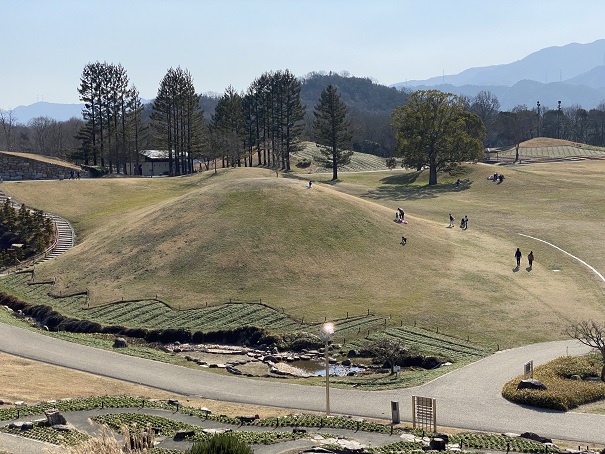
467, 398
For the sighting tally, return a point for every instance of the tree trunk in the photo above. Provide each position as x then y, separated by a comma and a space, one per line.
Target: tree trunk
432, 173
334, 165
603, 371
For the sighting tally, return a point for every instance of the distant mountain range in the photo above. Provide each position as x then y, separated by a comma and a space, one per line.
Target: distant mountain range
573, 74
59, 112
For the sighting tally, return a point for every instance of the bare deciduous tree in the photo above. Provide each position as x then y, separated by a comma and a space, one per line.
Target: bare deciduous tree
387, 350
592, 334
8, 121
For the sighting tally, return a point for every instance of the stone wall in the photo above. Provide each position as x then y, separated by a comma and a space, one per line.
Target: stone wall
21, 168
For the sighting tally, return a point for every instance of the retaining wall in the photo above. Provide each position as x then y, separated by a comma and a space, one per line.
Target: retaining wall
21, 168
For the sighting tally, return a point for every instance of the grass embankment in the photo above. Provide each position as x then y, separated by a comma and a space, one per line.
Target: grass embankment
246, 235
565, 379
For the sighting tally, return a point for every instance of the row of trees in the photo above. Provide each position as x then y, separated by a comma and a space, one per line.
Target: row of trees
177, 120
265, 122
523, 123
42, 135
262, 126
112, 116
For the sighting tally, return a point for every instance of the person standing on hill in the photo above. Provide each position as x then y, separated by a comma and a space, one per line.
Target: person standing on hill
518, 257
530, 258
451, 220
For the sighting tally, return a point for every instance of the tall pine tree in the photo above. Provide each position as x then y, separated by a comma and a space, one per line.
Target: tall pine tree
332, 130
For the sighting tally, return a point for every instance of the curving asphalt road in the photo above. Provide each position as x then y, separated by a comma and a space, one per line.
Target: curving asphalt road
467, 398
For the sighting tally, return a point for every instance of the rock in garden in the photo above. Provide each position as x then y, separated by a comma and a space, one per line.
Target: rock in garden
346, 362
246, 419
54, 417
437, 444
182, 434
531, 383
215, 431
120, 342
27, 425
535, 437
64, 428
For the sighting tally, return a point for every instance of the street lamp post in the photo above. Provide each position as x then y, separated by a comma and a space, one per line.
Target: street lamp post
559, 120
538, 134
327, 329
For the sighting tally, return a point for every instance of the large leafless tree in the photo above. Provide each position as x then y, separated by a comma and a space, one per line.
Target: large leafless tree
592, 334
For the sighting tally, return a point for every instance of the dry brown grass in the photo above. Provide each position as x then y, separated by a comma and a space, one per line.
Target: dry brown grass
32, 381
46, 159
335, 249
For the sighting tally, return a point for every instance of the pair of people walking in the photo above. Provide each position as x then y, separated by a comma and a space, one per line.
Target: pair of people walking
463, 222
530, 257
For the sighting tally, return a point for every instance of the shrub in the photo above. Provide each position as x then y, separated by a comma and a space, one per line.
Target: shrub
299, 341
562, 393
95, 171
303, 163
225, 443
166, 336
247, 335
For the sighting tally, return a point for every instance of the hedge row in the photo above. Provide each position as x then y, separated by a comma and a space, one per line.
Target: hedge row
45, 316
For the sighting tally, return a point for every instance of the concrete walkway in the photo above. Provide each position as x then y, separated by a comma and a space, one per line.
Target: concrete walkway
467, 398
80, 420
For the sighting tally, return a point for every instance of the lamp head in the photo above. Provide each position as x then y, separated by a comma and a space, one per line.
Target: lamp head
327, 329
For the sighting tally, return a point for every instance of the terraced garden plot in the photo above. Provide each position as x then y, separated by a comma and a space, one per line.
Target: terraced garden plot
351, 332
430, 344
359, 161
553, 153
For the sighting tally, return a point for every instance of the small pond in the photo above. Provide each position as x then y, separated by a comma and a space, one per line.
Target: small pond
318, 367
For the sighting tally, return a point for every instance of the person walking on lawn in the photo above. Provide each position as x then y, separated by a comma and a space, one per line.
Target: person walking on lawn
530, 258
518, 257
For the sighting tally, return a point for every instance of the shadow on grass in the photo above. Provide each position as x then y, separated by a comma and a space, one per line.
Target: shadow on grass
401, 186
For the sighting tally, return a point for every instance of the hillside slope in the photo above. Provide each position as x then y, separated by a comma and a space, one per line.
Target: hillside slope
319, 253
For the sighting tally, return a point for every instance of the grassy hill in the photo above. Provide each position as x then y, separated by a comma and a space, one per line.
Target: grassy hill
359, 161
542, 149
334, 249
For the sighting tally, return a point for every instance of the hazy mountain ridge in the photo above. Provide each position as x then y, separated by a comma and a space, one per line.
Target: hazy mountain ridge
56, 111
573, 74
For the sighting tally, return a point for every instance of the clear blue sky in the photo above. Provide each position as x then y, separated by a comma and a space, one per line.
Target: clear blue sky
47, 43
